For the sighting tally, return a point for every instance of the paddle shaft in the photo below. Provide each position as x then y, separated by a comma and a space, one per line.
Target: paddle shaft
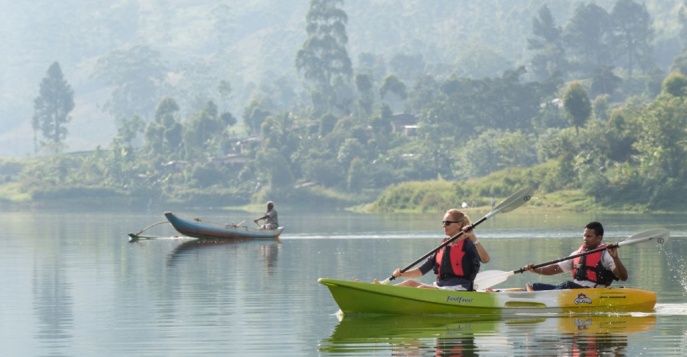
490, 278
150, 226
613, 245
515, 200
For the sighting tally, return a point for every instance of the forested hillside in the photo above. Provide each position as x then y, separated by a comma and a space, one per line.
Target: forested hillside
230, 102
252, 45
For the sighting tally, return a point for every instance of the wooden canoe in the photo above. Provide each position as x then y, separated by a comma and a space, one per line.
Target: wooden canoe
197, 228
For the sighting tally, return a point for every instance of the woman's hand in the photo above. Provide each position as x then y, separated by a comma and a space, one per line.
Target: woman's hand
468, 232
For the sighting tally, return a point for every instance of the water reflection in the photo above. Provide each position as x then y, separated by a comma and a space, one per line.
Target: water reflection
53, 304
266, 250
75, 286
472, 335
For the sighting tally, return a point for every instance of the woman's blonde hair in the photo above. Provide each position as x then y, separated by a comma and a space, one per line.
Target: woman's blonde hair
458, 216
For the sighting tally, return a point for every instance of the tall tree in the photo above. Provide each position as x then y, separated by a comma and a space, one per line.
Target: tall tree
224, 89
632, 25
254, 114
52, 108
128, 130
547, 45
203, 134
278, 132
163, 138
394, 92
661, 139
577, 105
588, 36
363, 82
323, 59
682, 19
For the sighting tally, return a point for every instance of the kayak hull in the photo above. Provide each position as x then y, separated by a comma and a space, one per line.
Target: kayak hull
367, 298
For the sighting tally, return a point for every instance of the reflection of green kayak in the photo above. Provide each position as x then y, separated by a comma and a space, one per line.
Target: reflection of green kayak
401, 326
407, 326
367, 298
367, 332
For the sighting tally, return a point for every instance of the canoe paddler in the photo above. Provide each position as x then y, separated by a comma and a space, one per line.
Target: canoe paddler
456, 264
588, 271
270, 217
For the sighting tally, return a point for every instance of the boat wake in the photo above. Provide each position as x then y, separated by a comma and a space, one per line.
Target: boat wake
671, 309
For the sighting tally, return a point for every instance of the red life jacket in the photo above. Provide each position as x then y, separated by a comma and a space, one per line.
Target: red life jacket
457, 254
589, 267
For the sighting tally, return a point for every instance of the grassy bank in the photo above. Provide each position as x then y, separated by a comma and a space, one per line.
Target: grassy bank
440, 195
409, 197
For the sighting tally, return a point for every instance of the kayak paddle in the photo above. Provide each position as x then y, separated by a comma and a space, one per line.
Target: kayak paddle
514, 201
490, 278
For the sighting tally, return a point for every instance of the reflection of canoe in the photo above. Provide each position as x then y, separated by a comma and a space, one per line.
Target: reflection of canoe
407, 326
193, 244
268, 248
205, 230
359, 297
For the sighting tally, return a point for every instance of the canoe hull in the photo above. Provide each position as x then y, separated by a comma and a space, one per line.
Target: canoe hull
367, 298
205, 230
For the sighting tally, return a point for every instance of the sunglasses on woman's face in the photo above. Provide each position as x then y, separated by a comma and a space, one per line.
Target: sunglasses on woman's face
446, 223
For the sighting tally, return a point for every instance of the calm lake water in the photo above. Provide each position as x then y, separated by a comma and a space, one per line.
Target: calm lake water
72, 285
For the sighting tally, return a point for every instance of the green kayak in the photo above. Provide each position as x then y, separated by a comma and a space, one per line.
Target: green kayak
354, 297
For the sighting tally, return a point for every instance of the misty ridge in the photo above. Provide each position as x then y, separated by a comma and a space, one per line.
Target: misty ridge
252, 45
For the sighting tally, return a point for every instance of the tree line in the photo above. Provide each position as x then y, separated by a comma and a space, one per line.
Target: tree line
590, 99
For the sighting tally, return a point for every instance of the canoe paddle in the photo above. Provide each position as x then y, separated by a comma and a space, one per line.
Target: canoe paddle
514, 201
490, 278
134, 237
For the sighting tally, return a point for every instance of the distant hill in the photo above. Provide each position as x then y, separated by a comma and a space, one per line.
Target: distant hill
252, 44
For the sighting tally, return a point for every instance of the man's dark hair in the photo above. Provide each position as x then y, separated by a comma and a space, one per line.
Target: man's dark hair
597, 227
